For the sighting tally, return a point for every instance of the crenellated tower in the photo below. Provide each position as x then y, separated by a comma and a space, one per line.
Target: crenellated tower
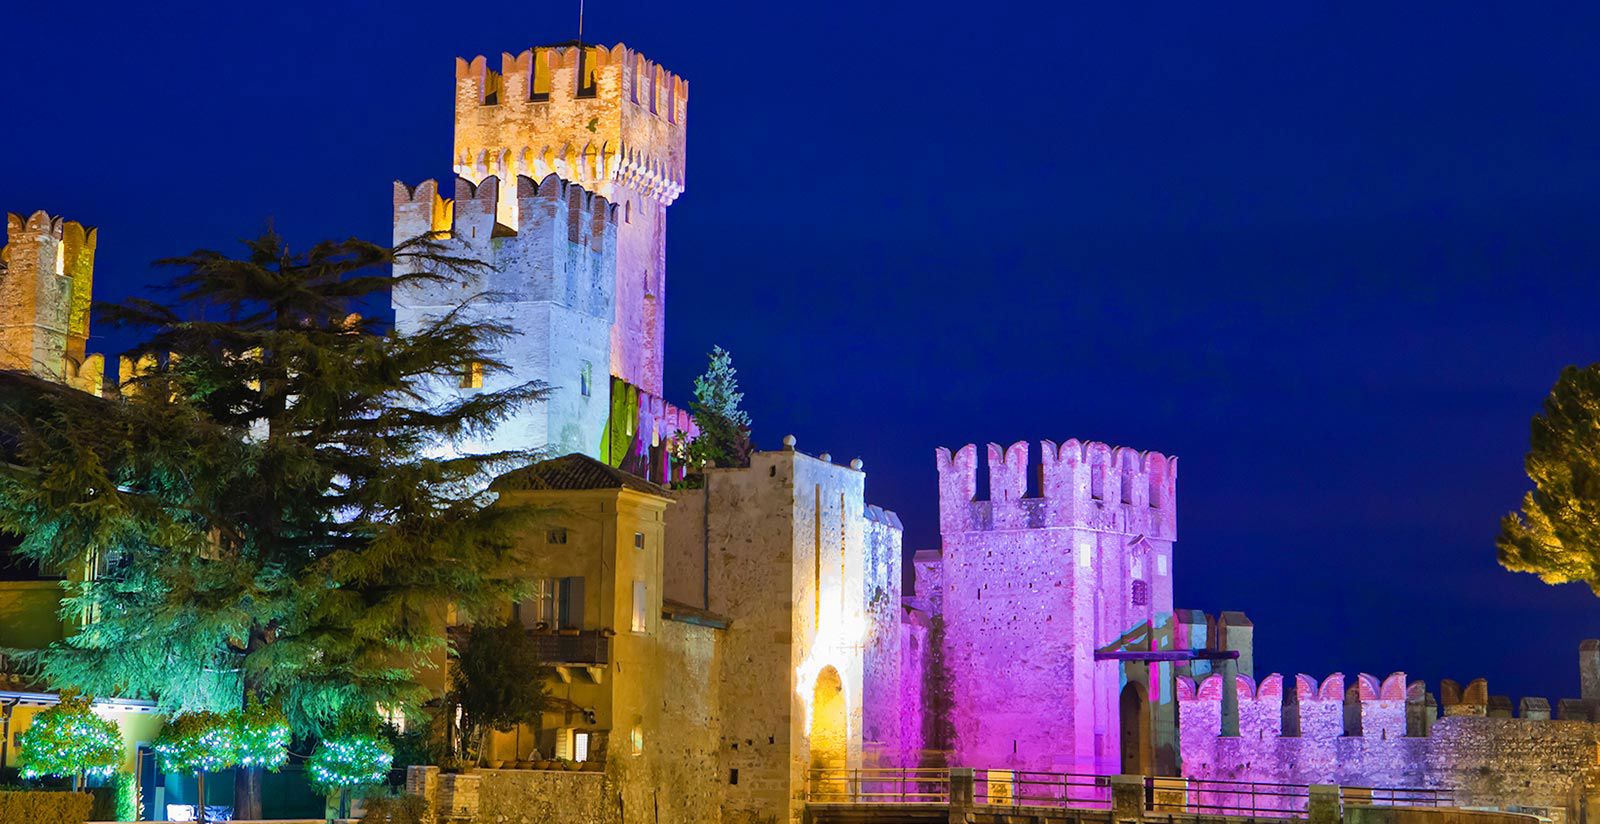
1064, 558
549, 280
607, 119
45, 290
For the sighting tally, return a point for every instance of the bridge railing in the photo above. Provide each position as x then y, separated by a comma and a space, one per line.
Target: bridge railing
1030, 788
904, 785
1027, 788
1267, 799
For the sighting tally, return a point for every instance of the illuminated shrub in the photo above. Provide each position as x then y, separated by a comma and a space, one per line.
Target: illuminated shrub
197, 742
262, 736
69, 740
351, 761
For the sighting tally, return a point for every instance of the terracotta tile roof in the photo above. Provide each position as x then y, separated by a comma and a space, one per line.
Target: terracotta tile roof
573, 472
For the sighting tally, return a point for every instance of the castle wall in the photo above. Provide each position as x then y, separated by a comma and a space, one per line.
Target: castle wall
607, 119
640, 432
1357, 736
548, 284
46, 286
1032, 585
787, 543
882, 659
918, 712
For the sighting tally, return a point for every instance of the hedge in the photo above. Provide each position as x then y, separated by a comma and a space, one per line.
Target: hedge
405, 809
24, 807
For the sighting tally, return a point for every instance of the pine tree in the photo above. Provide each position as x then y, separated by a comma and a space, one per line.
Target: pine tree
271, 508
1556, 535
724, 438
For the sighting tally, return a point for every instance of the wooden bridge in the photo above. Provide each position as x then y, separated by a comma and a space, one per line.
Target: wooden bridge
981, 796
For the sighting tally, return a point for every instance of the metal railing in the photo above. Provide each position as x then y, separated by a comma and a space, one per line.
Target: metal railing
586, 647
898, 785
1030, 788
1085, 791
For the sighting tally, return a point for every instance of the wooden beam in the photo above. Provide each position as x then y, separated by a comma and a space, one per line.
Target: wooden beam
1166, 655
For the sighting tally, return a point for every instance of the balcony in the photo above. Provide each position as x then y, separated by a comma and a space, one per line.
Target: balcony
585, 648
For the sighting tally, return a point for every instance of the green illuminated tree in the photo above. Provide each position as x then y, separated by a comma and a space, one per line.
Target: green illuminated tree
271, 509
1556, 535
69, 740
724, 438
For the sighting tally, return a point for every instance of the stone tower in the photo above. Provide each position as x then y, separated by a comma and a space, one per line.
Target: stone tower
549, 280
1033, 582
45, 289
603, 118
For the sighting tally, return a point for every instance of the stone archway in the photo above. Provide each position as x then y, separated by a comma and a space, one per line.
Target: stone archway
1134, 710
830, 722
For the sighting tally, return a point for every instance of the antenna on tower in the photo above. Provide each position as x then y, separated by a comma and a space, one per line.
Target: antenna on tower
580, 25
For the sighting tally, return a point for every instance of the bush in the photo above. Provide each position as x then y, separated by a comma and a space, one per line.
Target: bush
38, 807
403, 809
118, 800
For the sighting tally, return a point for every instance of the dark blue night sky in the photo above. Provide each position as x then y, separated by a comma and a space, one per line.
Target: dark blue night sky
1331, 254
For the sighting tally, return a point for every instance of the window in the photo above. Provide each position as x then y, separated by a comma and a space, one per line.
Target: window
585, 378
556, 603
580, 746
638, 540
641, 614
1141, 593
472, 378
61, 259
636, 739
556, 536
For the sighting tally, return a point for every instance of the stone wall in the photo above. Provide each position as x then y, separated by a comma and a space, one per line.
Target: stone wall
604, 118
687, 782
918, 711
882, 660
46, 286
785, 549
1357, 736
551, 282
1034, 581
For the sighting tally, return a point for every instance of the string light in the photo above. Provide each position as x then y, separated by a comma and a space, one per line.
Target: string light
198, 742
262, 735
69, 738
354, 761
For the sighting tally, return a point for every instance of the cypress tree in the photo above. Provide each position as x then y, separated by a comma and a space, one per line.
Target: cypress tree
271, 510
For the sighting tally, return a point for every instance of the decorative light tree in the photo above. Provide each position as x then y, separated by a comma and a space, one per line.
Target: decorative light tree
262, 735
71, 741
198, 743
342, 764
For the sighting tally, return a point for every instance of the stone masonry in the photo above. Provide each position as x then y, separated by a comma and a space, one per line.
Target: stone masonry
1387, 734
1031, 582
607, 119
46, 280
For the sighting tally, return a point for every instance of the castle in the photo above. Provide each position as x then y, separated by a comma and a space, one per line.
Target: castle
734, 641
566, 158
46, 279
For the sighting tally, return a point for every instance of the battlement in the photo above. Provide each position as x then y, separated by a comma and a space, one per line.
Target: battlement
1307, 709
594, 115
46, 288
1078, 484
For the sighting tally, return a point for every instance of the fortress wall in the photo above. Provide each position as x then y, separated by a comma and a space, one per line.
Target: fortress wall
882, 659
1059, 559
1358, 737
